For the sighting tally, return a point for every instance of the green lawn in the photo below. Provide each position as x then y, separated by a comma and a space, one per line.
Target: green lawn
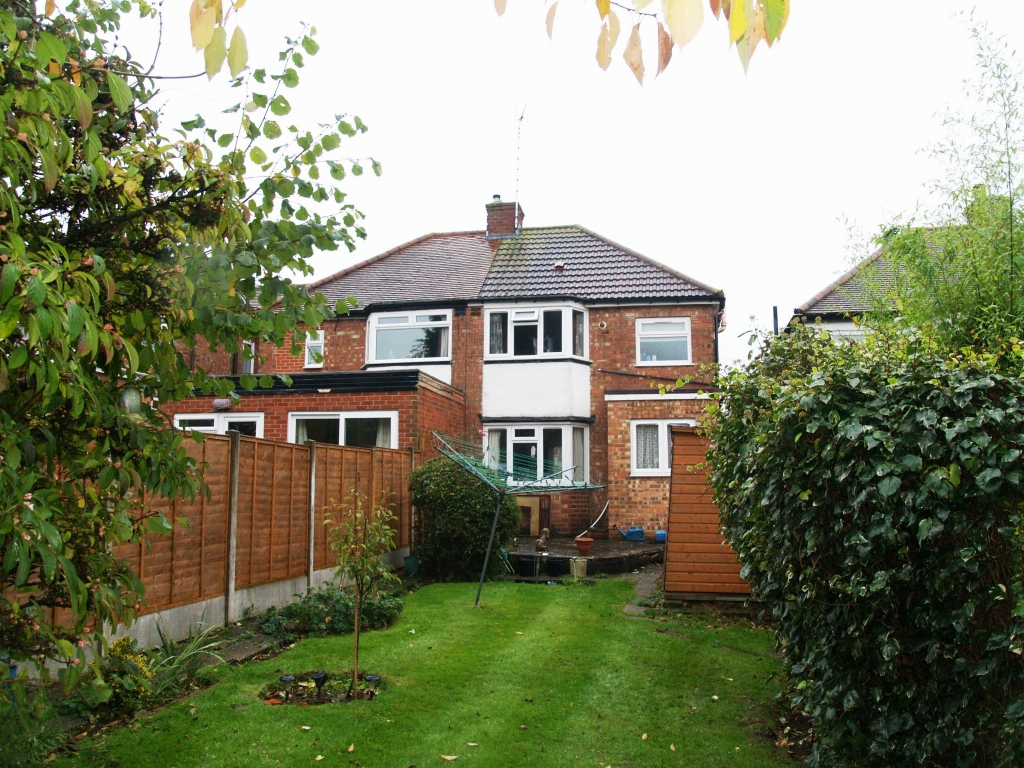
586, 680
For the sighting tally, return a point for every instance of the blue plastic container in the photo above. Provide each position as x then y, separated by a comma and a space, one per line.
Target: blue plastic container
660, 536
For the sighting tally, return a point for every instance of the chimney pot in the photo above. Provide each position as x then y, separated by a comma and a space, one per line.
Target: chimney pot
498, 198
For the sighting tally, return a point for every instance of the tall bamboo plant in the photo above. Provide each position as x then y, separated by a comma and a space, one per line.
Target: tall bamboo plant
361, 537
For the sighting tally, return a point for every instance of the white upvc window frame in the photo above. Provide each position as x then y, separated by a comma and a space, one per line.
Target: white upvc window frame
221, 421
294, 416
640, 334
566, 308
569, 460
664, 445
374, 323
247, 362
311, 339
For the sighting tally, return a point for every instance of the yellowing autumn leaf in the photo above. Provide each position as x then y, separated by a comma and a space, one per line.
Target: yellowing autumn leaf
238, 52
613, 30
215, 52
755, 34
499, 6
737, 21
238, 4
664, 48
716, 8
351, 747
603, 7
604, 47
634, 55
684, 19
203, 23
672, 747
51, 6
449, 758
551, 18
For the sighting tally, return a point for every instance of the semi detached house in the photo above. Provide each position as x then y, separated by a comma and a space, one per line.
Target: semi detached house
545, 344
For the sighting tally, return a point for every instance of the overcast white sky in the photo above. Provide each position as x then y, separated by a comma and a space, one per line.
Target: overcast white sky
740, 181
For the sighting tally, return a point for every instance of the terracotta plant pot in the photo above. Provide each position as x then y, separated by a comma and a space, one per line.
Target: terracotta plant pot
583, 545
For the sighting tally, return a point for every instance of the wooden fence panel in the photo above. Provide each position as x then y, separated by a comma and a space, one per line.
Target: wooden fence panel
698, 562
189, 564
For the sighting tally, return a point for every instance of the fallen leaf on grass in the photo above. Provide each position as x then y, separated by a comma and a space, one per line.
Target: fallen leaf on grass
644, 737
472, 744
522, 727
519, 633
449, 758
192, 711
305, 727
672, 747
351, 747
274, 701
319, 758
714, 698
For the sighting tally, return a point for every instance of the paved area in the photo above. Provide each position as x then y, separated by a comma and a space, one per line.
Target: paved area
647, 582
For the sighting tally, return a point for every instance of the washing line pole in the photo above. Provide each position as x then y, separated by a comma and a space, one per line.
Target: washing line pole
487, 556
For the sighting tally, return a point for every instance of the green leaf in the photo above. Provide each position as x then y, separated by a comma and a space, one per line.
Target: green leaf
10, 317
50, 47
774, 19
36, 291
927, 528
18, 357
65, 648
76, 320
309, 45
888, 486
280, 106
257, 155
120, 93
954, 474
50, 170
290, 78
83, 107
225, 139
247, 381
377, 169
159, 524
271, 129
8, 282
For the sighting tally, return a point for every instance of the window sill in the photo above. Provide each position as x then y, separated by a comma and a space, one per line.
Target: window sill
651, 473
312, 367
665, 363
411, 361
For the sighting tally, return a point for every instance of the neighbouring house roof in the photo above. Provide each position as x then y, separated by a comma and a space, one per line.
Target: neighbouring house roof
540, 262
851, 294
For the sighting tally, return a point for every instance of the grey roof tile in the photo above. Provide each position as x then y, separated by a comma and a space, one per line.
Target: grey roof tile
464, 265
852, 294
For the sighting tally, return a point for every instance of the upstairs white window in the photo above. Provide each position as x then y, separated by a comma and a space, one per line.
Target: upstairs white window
314, 349
409, 336
536, 332
247, 357
651, 452
663, 341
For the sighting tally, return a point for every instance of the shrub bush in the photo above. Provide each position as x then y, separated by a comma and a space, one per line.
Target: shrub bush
454, 514
328, 611
873, 494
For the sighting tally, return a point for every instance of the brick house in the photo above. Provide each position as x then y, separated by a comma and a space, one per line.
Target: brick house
546, 344
838, 307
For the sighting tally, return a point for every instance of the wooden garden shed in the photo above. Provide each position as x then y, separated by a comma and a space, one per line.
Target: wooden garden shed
699, 565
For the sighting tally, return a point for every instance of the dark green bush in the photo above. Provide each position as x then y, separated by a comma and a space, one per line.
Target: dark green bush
328, 611
873, 494
454, 513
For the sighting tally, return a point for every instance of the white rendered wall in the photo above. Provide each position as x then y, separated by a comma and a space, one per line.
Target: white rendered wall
536, 390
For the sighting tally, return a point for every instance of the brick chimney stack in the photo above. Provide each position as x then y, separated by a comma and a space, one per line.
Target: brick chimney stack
504, 220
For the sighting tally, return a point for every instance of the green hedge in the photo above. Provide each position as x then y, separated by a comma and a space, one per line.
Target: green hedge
873, 494
454, 513
329, 610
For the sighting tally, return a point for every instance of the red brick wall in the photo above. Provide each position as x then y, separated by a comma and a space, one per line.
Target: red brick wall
219, 363
344, 349
613, 348
468, 366
640, 501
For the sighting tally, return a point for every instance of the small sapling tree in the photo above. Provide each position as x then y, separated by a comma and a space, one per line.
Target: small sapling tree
360, 537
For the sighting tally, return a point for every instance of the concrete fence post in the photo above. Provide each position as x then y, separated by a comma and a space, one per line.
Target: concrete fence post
233, 473
311, 537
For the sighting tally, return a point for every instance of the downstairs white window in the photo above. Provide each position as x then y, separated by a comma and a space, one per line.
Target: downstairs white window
651, 445
359, 429
553, 453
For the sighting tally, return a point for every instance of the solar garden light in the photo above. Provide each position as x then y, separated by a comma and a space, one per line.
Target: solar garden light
319, 678
372, 680
287, 680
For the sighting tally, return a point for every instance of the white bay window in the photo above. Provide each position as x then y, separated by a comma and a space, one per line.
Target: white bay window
553, 453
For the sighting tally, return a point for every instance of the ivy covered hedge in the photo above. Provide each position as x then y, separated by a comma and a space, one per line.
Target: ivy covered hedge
873, 494
454, 514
